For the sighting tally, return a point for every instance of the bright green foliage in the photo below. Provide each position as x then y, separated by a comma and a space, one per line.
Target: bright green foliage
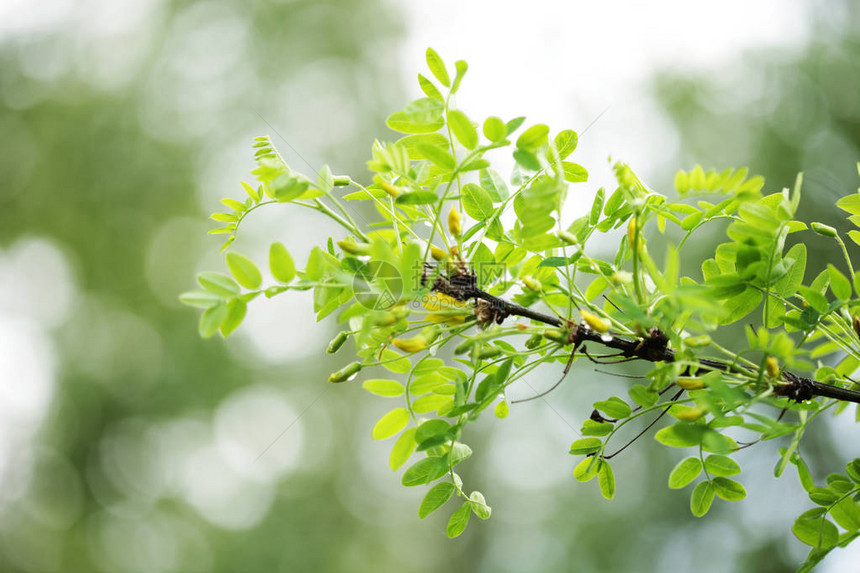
439, 204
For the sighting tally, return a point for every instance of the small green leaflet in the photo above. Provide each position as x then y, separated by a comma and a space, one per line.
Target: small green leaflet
424, 471
702, 498
281, 263
436, 498
459, 520
463, 129
218, 284
477, 202
402, 449
437, 67
386, 388
390, 423
722, 466
685, 472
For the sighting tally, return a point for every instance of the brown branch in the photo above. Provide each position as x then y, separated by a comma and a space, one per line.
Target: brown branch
652, 348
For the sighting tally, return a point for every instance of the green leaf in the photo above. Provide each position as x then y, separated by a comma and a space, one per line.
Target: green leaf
390, 423
533, 138
494, 129
463, 129
424, 471
417, 198
815, 299
236, 310
420, 116
254, 194
224, 217
642, 396
211, 319
281, 263
430, 429
684, 472
594, 217
614, 407
847, 514
437, 155
565, 142
574, 173
459, 452
461, 67
244, 271
681, 435
722, 466
702, 498
593, 428
411, 142
586, 469
429, 89
479, 505
286, 187
502, 410
850, 203
200, 299
459, 520
383, 387
402, 449
839, 283
436, 498
218, 284
822, 496
527, 159
401, 366
728, 489
437, 67
741, 305
477, 202
585, 446
682, 182
606, 480
816, 532
788, 284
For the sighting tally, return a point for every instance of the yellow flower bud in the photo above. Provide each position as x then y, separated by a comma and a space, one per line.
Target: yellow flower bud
594, 321
687, 414
353, 248
555, 335
345, 373
440, 301
454, 224
452, 319
631, 232
772, 367
390, 189
437, 253
414, 344
690, 383
532, 283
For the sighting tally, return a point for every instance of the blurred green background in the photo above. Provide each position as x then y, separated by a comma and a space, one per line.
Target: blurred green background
128, 444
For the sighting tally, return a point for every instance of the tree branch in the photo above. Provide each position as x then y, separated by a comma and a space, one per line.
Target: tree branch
653, 348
